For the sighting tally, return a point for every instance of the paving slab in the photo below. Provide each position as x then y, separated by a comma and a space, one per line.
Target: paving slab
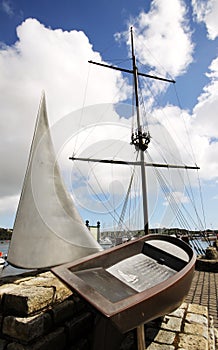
204, 291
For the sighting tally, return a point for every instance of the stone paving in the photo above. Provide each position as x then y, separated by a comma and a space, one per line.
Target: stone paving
187, 328
204, 291
190, 327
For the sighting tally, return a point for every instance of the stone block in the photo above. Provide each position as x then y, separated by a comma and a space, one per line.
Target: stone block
206, 265
216, 337
48, 279
197, 329
7, 288
160, 336
192, 342
27, 329
183, 306
172, 323
63, 311
165, 337
211, 339
156, 346
53, 341
197, 318
79, 326
180, 312
25, 300
211, 253
198, 309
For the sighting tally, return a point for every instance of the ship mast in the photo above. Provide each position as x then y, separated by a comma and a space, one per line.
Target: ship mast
140, 139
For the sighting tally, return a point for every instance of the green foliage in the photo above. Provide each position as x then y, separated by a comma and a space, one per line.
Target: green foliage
5, 234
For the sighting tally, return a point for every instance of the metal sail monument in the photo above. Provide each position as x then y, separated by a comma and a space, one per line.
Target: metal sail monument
48, 230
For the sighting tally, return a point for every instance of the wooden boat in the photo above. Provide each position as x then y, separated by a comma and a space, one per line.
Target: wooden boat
135, 282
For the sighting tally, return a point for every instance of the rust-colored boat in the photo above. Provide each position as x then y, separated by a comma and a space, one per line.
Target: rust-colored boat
135, 282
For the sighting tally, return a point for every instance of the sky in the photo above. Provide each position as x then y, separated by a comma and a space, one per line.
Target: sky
46, 45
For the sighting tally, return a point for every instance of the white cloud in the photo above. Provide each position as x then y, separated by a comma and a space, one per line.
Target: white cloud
164, 30
195, 134
55, 61
205, 125
207, 12
176, 198
206, 112
163, 43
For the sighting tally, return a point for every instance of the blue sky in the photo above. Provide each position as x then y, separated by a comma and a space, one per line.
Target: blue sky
46, 45
83, 15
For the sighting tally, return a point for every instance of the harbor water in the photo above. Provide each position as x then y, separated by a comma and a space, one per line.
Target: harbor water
10, 270
4, 247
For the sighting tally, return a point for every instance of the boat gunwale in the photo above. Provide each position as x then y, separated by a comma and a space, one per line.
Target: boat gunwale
101, 303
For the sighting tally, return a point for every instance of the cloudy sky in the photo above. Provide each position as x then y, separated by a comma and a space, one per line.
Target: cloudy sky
47, 45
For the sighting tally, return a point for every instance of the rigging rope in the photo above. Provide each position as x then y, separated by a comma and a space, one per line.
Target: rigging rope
82, 110
189, 139
201, 196
123, 212
201, 225
144, 115
110, 209
176, 208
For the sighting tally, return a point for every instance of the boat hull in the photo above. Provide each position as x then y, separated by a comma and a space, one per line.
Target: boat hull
131, 299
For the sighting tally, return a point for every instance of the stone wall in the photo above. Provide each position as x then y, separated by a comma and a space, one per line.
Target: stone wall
41, 313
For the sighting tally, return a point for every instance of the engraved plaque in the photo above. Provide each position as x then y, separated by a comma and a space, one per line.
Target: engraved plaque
140, 272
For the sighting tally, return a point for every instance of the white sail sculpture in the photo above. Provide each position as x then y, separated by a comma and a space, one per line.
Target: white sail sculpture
48, 230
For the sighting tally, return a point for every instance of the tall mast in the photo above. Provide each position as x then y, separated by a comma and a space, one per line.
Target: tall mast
140, 139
